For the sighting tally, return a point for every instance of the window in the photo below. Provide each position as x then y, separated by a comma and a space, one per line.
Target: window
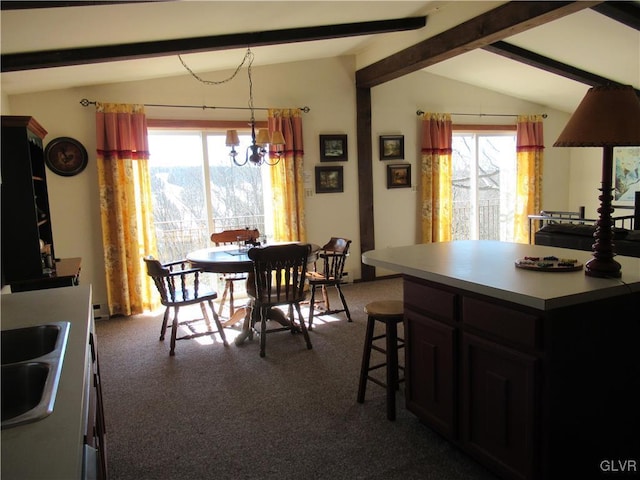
484, 185
198, 190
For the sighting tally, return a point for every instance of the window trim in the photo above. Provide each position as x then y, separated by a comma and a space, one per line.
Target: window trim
478, 128
215, 125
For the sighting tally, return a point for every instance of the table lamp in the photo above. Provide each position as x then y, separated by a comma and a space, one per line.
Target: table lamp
607, 117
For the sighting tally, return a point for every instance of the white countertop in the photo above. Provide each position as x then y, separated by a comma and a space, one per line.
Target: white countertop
488, 268
51, 448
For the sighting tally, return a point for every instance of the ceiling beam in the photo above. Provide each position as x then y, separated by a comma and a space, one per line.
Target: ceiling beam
547, 64
627, 13
12, 62
31, 4
504, 21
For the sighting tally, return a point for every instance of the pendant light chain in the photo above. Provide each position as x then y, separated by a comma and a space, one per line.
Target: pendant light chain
257, 153
247, 56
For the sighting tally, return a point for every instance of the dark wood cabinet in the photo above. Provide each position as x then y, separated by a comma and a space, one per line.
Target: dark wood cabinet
531, 394
430, 388
65, 274
26, 218
498, 405
28, 255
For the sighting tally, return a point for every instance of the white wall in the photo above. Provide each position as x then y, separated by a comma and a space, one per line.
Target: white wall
585, 174
327, 87
394, 106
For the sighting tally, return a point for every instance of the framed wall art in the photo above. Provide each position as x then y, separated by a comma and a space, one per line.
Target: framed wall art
333, 148
329, 180
399, 176
65, 156
391, 147
626, 166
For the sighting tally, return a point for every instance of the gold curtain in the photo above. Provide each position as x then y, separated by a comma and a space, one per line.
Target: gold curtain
125, 205
530, 153
287, 178
435, 178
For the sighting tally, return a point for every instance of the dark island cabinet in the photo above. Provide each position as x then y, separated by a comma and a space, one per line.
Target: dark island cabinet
429, 372
26, 220
497, 405
530, 394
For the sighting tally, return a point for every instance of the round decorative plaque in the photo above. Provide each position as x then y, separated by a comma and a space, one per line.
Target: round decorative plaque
65, 156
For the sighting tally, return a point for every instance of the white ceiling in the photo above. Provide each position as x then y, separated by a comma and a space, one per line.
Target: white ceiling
586, 40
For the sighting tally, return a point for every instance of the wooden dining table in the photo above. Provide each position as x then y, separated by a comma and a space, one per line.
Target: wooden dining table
231, 259
224, 259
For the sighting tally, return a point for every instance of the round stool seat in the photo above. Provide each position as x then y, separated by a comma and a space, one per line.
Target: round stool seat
385, 308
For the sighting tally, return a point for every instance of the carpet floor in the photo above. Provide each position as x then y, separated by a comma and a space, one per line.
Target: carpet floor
212, 412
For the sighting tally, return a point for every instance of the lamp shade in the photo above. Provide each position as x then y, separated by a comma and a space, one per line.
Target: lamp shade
263, 136
607, 116
232, 139
277, 138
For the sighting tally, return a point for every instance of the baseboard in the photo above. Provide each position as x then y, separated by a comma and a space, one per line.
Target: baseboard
100, 312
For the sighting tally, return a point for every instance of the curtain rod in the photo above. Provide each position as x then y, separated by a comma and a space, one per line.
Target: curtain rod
544, 115
85, 103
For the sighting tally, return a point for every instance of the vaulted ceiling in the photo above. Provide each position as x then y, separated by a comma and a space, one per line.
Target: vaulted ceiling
550, 59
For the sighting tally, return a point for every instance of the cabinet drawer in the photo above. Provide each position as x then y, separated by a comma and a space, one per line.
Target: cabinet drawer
513, 325
439, 303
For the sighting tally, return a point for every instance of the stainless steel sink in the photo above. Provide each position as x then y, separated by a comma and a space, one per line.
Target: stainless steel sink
22, 344
22, 387
32, 360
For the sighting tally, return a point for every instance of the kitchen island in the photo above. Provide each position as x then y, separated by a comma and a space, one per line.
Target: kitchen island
68, 443
534, 373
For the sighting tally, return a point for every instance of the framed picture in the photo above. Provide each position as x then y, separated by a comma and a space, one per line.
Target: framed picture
329, 180
626, 166
333, 148
399, 176
65, 156
391, 147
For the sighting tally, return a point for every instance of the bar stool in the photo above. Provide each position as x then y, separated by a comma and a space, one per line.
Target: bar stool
390, 313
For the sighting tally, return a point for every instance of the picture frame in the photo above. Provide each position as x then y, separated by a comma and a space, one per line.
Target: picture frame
65, 156
626, 174
391, 147
329, 180
333, 148
399, 176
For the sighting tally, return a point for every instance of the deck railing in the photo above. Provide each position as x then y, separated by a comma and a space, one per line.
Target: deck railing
488, 220
176, 238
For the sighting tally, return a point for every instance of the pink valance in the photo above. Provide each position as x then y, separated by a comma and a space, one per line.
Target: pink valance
436, 133
529, 133
121, 131
289, 122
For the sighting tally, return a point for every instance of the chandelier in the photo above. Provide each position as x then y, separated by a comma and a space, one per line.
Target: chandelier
258, 152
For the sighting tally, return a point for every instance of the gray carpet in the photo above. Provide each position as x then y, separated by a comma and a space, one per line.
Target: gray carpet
215, 412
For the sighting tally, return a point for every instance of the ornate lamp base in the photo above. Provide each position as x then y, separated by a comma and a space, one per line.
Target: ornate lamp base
597, 267
602, 264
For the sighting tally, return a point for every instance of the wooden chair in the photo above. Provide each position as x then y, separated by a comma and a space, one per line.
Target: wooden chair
179, 286
279, 279
332, 258
230, 237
